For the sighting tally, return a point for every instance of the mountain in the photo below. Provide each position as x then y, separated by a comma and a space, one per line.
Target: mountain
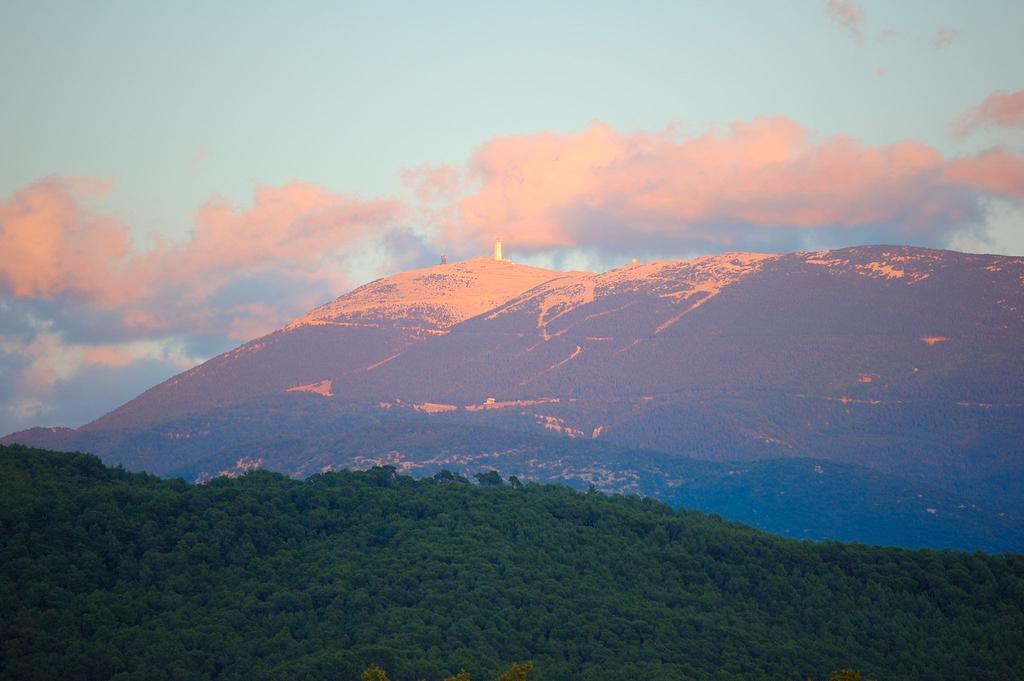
904, 360
109, 574
899, 360
357, 332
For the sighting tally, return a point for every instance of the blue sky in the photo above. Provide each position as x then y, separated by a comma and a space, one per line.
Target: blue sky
174, 109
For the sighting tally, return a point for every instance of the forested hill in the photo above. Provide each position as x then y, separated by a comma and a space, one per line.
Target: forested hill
108, 574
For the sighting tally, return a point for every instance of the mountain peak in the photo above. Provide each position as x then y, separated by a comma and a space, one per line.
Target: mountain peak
436, 297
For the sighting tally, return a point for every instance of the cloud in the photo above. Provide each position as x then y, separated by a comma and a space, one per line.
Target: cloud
77, 299
1004, 109
52, 382
944, 37
54, 244
995, 172
766, 183
998, 232
57, 247
849, 16
35, 369
291, 232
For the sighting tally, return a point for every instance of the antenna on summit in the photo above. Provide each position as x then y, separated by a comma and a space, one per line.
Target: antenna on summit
497, 251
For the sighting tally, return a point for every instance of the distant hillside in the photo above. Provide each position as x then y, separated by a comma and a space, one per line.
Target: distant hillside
107, 574
801, 498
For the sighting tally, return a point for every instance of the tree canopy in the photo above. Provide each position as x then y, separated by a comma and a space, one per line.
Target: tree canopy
106, 574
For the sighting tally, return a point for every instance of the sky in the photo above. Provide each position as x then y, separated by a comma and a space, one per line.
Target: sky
178, 178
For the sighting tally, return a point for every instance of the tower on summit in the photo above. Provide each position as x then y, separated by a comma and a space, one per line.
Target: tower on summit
498, 255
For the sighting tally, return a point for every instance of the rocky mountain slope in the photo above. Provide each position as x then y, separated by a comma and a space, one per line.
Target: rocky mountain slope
354, 333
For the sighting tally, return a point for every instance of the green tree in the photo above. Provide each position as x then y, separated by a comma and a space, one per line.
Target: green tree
374, 673
444, 476
490, 478
110, 574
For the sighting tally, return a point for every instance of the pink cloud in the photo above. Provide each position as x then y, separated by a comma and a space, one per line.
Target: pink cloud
849, 16
995, 171
55, 245
244, 271
109, 356
753, 182
524, 177
1005, 109
292, 227
89, 301
548, 191
944, 37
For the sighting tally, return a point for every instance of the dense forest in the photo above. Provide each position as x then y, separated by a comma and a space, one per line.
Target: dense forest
106, 574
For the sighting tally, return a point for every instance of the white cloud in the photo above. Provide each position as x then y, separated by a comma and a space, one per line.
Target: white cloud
1001, 232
